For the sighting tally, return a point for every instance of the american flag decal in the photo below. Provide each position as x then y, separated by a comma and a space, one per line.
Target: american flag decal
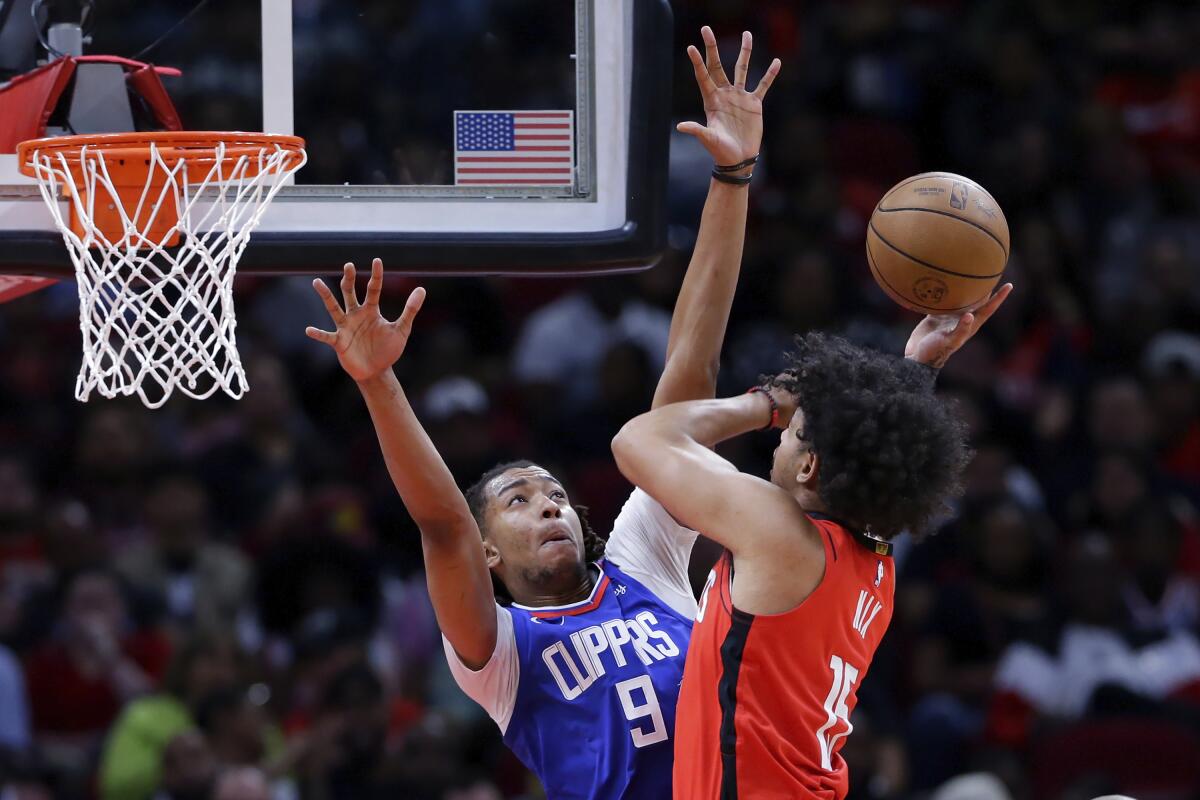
514, 148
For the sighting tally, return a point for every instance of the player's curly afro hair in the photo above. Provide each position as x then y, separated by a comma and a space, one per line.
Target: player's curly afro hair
892, 453
593, 545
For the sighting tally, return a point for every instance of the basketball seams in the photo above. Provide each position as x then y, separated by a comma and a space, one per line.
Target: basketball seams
896, 295
991, 235
912, 258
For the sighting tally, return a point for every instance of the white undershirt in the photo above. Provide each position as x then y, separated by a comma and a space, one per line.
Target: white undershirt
646, 543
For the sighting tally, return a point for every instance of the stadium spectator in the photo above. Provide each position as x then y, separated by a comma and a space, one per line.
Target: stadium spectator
201, 583
97, 660
189, 769
131, 764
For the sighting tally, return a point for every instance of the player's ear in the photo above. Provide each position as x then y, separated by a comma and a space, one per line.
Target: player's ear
491, 554
809, 464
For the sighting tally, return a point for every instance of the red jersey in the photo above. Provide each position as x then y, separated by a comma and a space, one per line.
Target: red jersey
766, 698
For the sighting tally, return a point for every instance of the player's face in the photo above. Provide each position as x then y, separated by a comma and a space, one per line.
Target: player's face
794, 462
532, 530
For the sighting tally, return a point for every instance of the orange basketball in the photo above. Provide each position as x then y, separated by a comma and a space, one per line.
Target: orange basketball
937, 243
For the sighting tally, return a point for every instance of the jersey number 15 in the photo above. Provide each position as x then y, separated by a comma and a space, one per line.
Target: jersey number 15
845, 675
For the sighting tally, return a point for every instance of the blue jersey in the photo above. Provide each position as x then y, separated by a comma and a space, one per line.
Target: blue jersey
594, 715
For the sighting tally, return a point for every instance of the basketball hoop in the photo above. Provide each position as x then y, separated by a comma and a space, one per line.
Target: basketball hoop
157, 224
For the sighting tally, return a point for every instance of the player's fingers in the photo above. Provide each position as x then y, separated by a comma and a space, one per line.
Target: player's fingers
984, 312
375, 284
712, 57
962, 331
767, 79
743, 61
327, 337
349, 297
704, 80
703, 134
331, 304
411, 307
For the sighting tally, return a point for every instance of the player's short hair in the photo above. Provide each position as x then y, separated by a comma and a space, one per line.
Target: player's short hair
476, 495
892, 453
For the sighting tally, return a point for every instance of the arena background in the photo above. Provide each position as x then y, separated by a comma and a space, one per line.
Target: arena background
256, 566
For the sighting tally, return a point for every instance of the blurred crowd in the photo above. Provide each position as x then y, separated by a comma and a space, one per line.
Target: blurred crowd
225, 599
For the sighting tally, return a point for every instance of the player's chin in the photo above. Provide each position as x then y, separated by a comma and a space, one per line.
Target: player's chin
559, 554
555, 569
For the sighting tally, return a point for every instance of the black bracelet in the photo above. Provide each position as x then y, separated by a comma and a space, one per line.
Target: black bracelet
749, 162
735, 180
774, 406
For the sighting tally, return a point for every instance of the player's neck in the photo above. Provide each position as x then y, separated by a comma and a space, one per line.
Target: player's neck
811, 503
809, 500
578, 588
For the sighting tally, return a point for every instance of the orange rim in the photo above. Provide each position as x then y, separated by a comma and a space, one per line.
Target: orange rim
192, 146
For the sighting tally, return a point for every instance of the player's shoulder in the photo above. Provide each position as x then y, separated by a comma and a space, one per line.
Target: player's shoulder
622, 581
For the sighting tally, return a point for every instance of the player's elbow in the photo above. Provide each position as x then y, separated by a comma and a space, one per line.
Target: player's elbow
628, 449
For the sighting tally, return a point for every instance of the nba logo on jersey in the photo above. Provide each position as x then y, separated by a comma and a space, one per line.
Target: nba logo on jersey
879, 573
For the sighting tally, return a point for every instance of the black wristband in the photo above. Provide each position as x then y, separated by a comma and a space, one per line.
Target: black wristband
735, 180
749, 162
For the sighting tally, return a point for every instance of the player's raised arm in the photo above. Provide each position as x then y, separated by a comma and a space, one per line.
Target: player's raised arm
732, 136
668, 453
368, 345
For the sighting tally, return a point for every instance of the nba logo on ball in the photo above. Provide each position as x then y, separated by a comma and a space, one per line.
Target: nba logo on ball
958, 196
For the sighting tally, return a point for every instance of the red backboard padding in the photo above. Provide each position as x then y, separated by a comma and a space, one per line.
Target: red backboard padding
27, 102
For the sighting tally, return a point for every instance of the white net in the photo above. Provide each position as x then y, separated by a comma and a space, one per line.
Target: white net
158, 317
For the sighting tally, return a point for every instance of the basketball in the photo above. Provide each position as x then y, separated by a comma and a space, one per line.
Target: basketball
937, 243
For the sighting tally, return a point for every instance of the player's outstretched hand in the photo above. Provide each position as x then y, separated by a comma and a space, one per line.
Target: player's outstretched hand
936, 338
734, 130
365, 342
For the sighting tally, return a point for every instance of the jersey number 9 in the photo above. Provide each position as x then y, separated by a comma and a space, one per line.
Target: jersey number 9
649, 708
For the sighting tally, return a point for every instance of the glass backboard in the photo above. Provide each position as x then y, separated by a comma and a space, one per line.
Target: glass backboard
446, 136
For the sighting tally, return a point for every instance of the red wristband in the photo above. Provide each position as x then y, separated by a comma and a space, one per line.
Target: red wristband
774, 422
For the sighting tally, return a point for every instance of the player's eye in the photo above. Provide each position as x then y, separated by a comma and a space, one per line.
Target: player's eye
516, 498
558, 494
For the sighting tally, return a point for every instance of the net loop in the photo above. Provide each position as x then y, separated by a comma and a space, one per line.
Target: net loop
155, 231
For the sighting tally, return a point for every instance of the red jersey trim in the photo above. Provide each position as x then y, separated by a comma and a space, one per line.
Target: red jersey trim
582, 607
